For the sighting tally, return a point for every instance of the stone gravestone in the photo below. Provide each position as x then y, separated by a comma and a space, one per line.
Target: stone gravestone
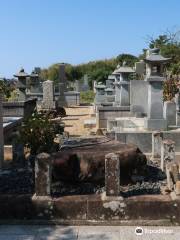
1, 132
48, 95
170, 112
62, 85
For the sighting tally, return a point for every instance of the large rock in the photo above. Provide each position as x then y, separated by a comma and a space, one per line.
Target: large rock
87, 163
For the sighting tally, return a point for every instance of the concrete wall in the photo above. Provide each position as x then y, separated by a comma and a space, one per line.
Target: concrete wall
19, 109
138, 96
105, 113
144, 139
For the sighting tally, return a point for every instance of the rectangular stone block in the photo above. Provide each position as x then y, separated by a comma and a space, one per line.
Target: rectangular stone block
43, 170
170, 112
167, 152
138, 96
155, 124
112, 174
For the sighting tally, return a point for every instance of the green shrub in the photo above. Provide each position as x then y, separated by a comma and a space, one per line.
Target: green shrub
87, 97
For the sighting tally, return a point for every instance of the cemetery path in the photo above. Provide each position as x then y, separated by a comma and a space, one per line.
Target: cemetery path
74, 122
47, 232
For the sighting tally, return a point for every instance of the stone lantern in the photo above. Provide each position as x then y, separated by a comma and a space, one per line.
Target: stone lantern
21, 85
34, 82
154, 76
122, 85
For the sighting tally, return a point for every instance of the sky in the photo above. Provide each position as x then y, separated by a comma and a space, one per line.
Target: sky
39, 33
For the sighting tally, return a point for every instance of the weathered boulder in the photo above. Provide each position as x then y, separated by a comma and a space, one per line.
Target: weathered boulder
87, 163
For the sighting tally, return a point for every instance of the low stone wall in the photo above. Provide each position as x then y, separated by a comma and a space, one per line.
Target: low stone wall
19, 109
71, 97
91, 208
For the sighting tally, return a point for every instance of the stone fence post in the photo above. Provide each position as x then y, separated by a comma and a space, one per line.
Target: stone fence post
43, 169
112, 174
157, 138
167, 152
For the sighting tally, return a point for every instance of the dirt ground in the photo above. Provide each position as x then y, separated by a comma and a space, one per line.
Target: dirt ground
74, 122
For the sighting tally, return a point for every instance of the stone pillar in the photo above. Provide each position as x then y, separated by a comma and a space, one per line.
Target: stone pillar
155, 119
178, 119
1, 132
43, 174
157, 137
167, 153
112, 174
62, 75
48, 95
117, 93
170, 184
124, 94
170, 112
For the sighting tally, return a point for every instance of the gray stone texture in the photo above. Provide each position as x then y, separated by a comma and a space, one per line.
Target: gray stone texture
48, 95
19, 109
62, 75
43, 174
138, 96
112, 174
155, 100
157, 138
177, 118
110, 112
170, 112
167, 152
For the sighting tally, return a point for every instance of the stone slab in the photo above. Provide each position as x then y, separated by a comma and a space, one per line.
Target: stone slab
155, 124
138, 96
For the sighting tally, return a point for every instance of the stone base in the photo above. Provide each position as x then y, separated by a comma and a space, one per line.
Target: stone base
48, 105
90, 208
155, 124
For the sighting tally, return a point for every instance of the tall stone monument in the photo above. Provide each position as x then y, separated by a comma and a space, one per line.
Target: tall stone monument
62, 85
154, 76
48, 95
1, 132
21, 85
122, 82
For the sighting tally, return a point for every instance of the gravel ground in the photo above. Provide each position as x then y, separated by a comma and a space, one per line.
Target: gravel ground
19, 181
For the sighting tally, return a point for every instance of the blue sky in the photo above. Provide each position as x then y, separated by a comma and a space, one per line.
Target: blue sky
43, 32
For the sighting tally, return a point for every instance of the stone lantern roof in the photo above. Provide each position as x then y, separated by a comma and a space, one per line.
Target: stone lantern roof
34, 74
123, 69
155, 56
111, 77
21, 74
